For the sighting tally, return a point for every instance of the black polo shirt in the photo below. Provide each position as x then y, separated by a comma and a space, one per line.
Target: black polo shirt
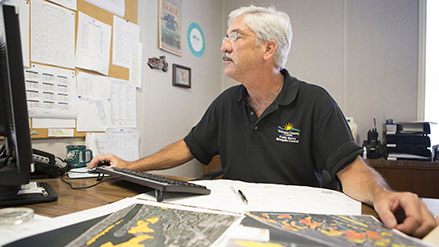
302, 132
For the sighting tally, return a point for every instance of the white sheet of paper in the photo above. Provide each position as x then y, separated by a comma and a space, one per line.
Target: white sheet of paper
268, 197
82, 172
22, 231
136, 65
93, 44
123, 104
14, 232
93, 114
71, 4
125, 34
52, 34
123, 143
95, 142
93, 86
43, 224
50, 92
94, 94
23, 15
114, 6
53, 123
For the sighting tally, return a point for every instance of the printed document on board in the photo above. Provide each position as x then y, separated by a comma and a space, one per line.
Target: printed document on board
93, 44
114, 6
94, 102
125, 35
50, 92
23, 15
52, 34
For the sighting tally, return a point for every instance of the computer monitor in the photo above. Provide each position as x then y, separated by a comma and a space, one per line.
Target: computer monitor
16, 161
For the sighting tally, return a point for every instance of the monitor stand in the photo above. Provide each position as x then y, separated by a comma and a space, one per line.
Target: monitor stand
33, 192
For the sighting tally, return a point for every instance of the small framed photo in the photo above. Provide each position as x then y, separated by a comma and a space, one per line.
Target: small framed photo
181, 76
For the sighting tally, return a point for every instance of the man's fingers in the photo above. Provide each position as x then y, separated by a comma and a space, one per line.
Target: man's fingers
427, 223
386, 215
99, 158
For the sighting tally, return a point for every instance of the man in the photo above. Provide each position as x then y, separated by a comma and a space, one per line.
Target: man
274, 128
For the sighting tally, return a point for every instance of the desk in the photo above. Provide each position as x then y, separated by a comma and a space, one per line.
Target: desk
70, 201
420, 177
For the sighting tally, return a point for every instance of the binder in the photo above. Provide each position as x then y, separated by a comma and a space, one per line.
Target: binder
414, 128
408, 149
412, 140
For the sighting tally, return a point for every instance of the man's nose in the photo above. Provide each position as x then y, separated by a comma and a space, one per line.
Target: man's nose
225, 46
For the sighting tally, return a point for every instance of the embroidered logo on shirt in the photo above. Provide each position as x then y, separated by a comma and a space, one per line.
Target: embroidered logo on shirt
288, 134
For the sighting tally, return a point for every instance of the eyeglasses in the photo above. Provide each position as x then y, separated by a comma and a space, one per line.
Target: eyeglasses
233, 36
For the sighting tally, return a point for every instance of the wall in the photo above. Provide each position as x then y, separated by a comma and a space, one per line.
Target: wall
364, 52
165, 113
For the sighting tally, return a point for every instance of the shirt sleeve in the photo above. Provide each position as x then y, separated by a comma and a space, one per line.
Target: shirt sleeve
202, 140
335, 142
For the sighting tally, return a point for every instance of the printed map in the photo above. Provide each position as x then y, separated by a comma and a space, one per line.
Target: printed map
336, 230
145, 225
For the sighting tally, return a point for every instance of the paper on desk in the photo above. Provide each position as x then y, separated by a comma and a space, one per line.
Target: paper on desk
82, 172
11, 233
37, 227
267, 197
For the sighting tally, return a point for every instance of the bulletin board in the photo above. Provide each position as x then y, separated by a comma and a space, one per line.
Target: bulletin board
114, 70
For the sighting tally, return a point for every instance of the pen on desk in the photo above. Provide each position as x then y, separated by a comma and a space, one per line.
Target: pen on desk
240, 194
243, 198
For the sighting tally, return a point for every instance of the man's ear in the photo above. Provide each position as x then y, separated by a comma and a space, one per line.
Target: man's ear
270, 48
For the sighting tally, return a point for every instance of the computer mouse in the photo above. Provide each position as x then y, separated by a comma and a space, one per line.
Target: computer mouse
100, 164
103, 163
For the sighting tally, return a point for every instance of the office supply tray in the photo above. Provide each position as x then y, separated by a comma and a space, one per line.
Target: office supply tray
159, 183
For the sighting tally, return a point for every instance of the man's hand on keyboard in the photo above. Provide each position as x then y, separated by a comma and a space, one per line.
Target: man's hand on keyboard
111, 158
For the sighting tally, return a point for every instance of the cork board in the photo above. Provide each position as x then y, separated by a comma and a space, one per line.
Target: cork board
114, 70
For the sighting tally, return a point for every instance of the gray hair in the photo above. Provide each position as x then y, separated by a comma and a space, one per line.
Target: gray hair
268, 24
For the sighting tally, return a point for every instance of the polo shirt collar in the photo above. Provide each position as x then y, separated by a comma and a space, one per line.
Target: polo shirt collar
287, 94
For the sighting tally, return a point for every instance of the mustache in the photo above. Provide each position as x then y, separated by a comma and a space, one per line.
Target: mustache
228, 57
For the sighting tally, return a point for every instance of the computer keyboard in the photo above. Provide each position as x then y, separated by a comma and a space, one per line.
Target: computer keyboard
159, 183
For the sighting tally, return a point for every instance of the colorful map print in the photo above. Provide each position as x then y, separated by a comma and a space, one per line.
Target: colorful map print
336, 230
145, 225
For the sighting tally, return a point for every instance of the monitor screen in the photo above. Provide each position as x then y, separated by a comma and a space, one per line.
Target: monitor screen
16, 150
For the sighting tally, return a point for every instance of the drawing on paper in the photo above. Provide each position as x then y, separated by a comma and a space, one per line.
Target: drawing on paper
336, 230
145, 225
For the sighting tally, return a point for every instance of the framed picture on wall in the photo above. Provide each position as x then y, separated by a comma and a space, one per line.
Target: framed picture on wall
170, 26
181, 76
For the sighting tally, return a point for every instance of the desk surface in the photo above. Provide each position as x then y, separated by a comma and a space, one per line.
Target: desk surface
70, 201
